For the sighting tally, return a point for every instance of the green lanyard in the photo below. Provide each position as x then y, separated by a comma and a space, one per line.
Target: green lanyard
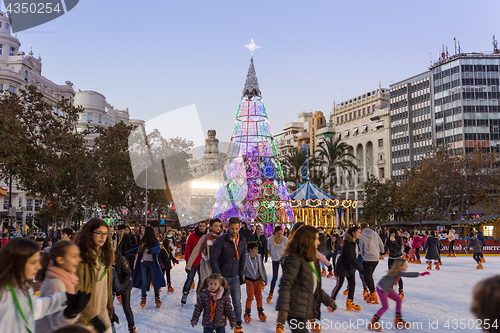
258, 238
16, 301
105, 270
314, 270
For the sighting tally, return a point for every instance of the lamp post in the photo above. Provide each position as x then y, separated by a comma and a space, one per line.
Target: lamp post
420, 212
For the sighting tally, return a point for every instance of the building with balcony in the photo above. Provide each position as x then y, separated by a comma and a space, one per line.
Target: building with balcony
362, 123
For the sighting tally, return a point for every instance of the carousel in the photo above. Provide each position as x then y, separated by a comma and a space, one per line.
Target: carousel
317, 208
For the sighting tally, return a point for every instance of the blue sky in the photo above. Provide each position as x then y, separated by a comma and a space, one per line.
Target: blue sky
156, 56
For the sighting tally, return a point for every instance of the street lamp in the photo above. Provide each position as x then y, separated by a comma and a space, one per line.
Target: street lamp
420, 212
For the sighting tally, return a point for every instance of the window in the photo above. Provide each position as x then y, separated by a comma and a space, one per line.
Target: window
26, 76
11, 53
37, 205
488, 231
6, 203
29, 204
342, 118
368, 110
350, 115
7, 26
338, 120
12, 90
20, 202
380, 143
0, 24
99, 119
89, 117
313, 121
1, 88
1, 45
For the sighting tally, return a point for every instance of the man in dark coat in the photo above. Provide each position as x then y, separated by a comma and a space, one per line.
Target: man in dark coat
481, 238
123, 244
227, 258
245, 232
261, 240
192, 241
124, 273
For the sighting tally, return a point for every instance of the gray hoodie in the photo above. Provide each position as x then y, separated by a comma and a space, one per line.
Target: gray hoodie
370, 245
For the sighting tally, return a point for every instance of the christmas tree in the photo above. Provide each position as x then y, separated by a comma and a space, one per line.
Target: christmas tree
251, 185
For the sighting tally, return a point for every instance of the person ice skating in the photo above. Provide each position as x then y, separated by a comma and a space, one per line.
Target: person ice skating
94, 272
204, 246
166, 258
486, 302
480, 236
57, 273
370, 246
334, 243
147, 268
394, 245
261, 240
276, 243
19, 308
255, 276
385, 290
192, 241
416, 245
300, 295
432, 248
227, 257
214, 301
347, 265
451, 238
124, 274
475, 245
383, 234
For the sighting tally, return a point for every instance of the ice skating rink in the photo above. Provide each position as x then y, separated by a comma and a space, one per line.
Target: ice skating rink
436, 303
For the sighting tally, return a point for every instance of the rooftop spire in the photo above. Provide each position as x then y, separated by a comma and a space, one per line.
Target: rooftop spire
251, 84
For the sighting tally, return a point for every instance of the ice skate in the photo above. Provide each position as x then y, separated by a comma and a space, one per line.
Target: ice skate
346, 292
262, 316
280, 328
247, 316
323, 272
350, 306
132, 330
374, 325
143, 302
399, 323
170, 289
119, 298
192, 286
157, 301
430, 266
483, 260
238, 328
437, 266
480, 266
365, 293
401, 294
269, 298
372, 298
314, 326
184, 297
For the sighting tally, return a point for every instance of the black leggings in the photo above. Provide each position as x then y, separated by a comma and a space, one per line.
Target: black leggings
400, 280
351, 284
450, 247
477, 257
126, 308
417, 253
369, 268
163, 270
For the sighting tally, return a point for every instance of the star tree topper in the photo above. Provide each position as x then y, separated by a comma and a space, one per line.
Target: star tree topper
252, 47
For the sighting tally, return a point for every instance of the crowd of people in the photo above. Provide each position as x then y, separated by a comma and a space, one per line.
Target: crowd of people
70, 284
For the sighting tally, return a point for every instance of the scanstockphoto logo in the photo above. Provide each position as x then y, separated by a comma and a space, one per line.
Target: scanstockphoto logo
31, 13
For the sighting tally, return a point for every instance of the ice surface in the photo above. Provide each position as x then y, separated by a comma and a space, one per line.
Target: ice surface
444, 295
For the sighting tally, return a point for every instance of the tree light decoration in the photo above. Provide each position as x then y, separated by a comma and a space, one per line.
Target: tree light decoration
251, 185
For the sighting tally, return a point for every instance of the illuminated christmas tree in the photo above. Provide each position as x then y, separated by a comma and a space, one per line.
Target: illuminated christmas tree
251, 185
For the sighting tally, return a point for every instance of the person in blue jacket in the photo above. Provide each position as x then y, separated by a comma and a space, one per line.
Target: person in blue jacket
147, 269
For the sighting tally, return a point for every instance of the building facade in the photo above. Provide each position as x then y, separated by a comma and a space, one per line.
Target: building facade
295, 135
362, 123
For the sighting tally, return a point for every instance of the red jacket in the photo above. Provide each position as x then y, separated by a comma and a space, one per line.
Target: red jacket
192, 241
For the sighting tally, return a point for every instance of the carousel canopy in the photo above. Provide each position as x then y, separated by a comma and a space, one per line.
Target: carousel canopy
309, 191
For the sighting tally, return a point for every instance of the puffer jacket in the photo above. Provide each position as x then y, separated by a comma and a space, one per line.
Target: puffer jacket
417, 242
223, 309
296, 293
322, 243
432, 246
370, 245
347, 262
223, 257
475, 244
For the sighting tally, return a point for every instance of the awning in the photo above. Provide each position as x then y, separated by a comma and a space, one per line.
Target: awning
379, 124
3, 192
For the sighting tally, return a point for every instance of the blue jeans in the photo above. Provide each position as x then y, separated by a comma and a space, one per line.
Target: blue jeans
147, 275
216, 330
190, 279
276, 266
361, 276
234, 289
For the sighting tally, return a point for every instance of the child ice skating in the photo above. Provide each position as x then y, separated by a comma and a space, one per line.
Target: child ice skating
475, 245
385, 291
58, 274
255, 276
215, 303
19, 308
166, 258
432, 248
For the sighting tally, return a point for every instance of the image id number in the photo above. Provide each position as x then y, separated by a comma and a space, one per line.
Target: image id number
471, 324
33, 8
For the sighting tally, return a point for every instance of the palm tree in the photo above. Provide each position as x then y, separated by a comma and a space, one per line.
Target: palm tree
333, 154
293, 165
